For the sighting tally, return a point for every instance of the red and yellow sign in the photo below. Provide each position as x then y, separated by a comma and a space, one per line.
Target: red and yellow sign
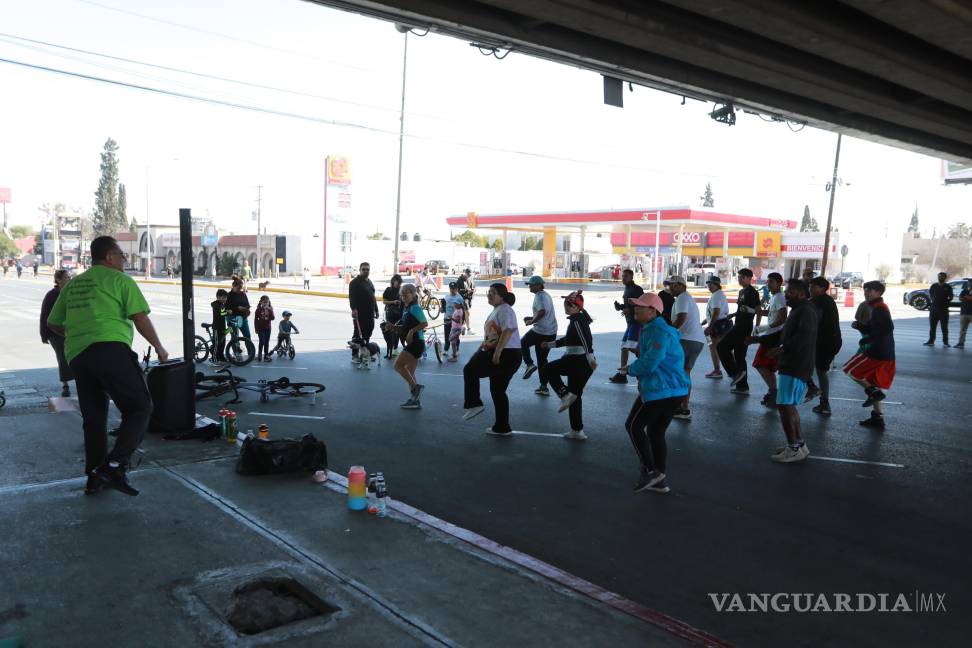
472, 220
338, 171
768, 245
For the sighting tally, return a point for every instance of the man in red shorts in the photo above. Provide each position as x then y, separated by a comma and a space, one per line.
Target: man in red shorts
872, 366
768, 336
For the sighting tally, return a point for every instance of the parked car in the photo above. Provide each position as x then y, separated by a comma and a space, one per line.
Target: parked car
438, 266
705, 269
409, 267
921, 300
603, 272
848, 280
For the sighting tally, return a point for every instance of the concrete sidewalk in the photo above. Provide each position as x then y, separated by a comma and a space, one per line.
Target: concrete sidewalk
160, 569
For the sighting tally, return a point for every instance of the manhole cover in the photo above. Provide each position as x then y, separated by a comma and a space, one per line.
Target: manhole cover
268, 603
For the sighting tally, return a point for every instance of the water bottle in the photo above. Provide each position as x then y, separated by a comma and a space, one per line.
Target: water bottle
381, 495
372, 494
357, 499
231, 427
222, 422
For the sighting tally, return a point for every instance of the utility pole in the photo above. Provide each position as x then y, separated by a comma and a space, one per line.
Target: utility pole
401, 140
830, 211
148, 229
259, 202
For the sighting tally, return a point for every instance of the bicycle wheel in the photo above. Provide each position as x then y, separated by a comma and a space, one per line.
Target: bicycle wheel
290, 353
438, 350
201, 350
432, 307
300, 389
240, 351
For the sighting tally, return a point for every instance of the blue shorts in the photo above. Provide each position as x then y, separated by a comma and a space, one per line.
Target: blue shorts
790, 390
631, 336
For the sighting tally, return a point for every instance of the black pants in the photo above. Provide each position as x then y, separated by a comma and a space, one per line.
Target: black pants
306, 284
219, 347
732, 352
447, 329
534, 339
935, 318
103, 370
264, 346
363, 328
481, 366
646, 425
578, 371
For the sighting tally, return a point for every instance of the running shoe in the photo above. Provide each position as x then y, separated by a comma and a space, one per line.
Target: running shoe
649, 479
566, 401
929, 343
93, 485
791, 455
769, 399
575, 435
959, 346
946, 344
530, 370
417, 391
873, 396
812, 392
542, 391
473, 411
660, 487
822, 408
411, 403
115, 478
683, 414
739, 377
493, 432
739, 390
619, 379
717, 375
452, 359
875, 421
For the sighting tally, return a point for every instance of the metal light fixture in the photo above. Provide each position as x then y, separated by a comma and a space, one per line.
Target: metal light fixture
724, 115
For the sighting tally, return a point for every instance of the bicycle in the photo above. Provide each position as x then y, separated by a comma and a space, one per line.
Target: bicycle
432, 340
240, 354
216, 385
430, 303
286, 347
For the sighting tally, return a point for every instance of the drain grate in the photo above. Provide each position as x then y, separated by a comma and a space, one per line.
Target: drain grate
268, 603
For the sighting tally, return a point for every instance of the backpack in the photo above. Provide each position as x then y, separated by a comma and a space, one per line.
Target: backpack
274, 456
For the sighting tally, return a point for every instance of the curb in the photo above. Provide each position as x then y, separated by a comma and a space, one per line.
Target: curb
208, 284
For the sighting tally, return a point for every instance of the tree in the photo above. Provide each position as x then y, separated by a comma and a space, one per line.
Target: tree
809, 223
498, 244
21, 231
528, 243
7, 247
913, 225
106, 214
708, 200
956, 231
953, 261
123, 209
472, 239
883, 271
226, 265
377, 236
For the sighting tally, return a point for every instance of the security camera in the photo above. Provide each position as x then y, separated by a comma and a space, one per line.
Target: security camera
401, 28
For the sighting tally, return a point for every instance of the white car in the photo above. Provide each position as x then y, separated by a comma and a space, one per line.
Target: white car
706, 269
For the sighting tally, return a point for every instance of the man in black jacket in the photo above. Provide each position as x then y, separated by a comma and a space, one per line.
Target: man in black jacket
828, 341
797, 355
941, 296
364, 307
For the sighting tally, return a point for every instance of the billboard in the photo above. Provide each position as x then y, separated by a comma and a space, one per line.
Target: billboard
338, 171
952, 172
4, 194
768, 245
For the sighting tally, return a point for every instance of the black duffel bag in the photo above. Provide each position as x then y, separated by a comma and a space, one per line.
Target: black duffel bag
273, 456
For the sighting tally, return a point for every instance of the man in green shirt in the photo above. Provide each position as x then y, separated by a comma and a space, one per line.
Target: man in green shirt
97, 314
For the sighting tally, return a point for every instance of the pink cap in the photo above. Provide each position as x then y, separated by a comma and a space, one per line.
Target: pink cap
648, 299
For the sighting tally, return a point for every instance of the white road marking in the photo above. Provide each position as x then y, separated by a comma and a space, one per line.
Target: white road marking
861, 400
296, 416
858, 461
269, 367
547, 434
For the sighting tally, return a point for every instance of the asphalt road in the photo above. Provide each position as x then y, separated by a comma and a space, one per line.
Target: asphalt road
869, 513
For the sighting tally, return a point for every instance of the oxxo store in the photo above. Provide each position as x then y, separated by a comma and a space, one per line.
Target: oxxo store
653, 241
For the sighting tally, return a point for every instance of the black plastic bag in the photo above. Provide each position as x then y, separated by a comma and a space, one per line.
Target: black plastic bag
274, 456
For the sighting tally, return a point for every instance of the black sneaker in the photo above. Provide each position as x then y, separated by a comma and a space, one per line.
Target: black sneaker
94, 485
649, 479
115, 478
739, 390
493, 432
769, 399
874, 421
822, 408
929, 343
946, 344
619, 379
873, 396
812, 392
739, 377
529, 371
683, 415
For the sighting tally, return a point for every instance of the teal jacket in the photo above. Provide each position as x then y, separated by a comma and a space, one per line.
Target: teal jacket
660, 367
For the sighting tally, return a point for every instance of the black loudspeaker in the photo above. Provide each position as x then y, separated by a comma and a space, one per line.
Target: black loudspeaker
173, 396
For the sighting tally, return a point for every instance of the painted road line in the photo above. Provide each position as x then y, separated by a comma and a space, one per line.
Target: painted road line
269, 367
861, 400
296, 416
547, 434
858, 461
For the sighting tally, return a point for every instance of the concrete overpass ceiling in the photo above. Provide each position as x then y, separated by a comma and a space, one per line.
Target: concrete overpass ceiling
895, 71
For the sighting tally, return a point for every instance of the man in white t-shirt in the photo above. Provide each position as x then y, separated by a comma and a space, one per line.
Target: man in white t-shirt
685, 317
544, 322
769, 335
716, 321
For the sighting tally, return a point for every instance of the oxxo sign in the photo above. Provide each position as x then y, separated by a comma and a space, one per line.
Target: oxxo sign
687, 238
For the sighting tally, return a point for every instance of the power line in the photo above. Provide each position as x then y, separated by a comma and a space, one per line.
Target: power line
346, 124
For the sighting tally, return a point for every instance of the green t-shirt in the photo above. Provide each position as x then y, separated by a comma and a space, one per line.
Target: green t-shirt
96, 307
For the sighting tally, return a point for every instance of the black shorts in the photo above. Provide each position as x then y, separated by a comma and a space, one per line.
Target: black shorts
416, 348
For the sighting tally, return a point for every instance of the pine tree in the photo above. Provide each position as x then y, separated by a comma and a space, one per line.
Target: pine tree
123, 223
106, 215
809, 223
708, 200
913, 225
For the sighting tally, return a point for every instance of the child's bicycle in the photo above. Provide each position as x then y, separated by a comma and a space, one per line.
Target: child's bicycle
286, 347
432, 340
239, 350
430, 303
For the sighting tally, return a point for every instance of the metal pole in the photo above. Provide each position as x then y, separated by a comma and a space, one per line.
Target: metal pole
830, 211
654, 262
259, 257
148, 229
401, 142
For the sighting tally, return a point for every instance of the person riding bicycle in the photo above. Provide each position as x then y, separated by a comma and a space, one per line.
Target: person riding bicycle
284, 329
219, 324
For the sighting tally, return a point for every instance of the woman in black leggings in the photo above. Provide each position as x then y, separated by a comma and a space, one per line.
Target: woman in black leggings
662, 383
498, 359
577, 363
392, 299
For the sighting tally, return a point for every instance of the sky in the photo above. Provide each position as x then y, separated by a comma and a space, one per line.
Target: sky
484, 135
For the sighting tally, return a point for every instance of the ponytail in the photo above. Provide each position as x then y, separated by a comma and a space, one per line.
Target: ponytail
507, 296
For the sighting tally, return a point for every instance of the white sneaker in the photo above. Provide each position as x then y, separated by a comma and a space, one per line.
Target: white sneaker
566, 401
575, 435
473, 411
791, 455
